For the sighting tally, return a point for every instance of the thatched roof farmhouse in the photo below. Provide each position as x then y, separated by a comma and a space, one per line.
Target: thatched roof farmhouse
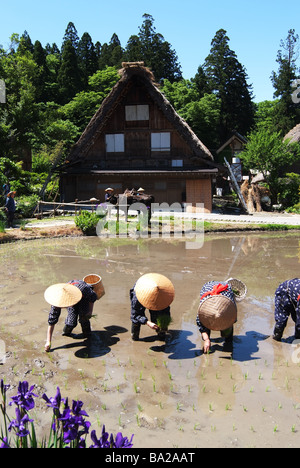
137, 139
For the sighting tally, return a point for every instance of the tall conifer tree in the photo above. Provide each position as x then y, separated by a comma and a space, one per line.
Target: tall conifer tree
287, 112
227, 78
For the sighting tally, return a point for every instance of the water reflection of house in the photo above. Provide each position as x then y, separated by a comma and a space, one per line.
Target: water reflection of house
137, 139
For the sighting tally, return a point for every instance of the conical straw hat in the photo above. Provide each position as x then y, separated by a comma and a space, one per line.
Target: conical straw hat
154, 291
62, 295
217, 312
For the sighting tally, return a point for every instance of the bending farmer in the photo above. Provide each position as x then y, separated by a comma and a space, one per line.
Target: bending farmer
218, 310
287, 302
156, 293
79, 298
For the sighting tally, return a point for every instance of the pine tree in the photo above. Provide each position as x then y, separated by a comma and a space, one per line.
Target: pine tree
111, 54
157, 54
39, 56
71, 35
287, 113
69, 78
87, 58
227, 78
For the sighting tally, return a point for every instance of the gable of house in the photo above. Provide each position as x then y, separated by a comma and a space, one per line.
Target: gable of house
137, 138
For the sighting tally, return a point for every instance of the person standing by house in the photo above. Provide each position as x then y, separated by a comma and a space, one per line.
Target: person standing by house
155, 292
6, 189
287, 303
79, 298
10, 208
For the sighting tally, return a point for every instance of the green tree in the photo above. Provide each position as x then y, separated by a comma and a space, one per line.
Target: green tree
20, 113
87, 58
287, 112
227, 78
111, 54
266, 152
69, 77
70, 35
42, 78
202, 113
157, 54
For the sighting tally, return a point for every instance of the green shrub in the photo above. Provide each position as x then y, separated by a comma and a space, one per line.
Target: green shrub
289, 190
294, 209
26, 205
87, 222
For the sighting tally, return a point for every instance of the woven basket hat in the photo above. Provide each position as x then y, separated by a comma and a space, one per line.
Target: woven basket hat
63, 295
154, 291
217, 312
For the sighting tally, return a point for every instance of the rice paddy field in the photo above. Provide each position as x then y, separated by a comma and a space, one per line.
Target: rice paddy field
168, 394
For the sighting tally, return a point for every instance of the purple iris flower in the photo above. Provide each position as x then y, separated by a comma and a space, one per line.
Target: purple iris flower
103, 442
24, 398
53, 402
122, 442
3, 388
108, 442
74, 425
5, 443
20, 424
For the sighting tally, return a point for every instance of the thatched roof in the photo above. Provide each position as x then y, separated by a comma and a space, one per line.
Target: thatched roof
293, 136
136, 71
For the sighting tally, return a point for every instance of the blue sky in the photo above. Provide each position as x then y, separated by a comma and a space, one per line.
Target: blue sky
255, 28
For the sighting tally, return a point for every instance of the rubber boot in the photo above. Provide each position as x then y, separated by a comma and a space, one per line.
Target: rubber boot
67, 331
135, 331
277, 334
86, 328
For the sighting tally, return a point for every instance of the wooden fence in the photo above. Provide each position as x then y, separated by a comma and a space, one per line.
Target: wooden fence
62, 209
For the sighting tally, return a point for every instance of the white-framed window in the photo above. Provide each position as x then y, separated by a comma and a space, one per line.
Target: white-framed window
137, 112
177, 163
115, 143
160, 141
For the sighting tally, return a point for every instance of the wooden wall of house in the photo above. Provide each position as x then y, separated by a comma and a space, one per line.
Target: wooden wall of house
165, 189
137, 136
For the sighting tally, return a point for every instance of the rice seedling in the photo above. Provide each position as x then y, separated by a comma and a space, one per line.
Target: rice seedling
163, 322
179, 406
135, 387
138, 421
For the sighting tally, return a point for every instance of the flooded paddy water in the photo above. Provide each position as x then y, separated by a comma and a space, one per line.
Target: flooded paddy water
167, 394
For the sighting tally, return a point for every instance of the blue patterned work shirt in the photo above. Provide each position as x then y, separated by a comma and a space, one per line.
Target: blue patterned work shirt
79, 310
287, 302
